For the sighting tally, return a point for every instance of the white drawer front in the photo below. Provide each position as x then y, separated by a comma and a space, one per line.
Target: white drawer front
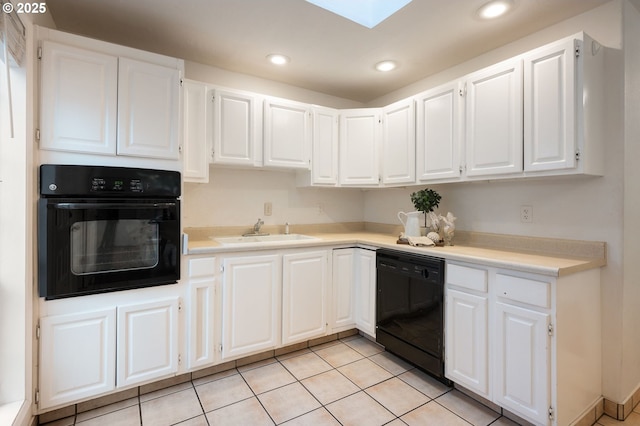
467, 277
536, 293
202, 267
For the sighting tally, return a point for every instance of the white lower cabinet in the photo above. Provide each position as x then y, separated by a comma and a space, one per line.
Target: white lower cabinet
365, 290
519, 339
467, 328
466, 340
250, 304
521, 364
77, 356
201, 312
147, 346
90, 353
342, 315
305, 279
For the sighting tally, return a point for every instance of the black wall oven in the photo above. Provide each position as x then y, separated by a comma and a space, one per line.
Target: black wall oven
104, 229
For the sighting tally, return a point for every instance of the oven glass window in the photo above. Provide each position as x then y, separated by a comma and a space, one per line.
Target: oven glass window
113, 245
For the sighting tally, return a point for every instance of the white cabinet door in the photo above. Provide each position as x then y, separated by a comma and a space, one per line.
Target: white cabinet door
148, 110
494, 138
324, 159
196, 131
466, 340
250, 305
366, 291
202, 312
236, 128
399, 143
79, 98
305, 278
77, 356
287, 138
359, 144
521, 367
550, 107
147, 341
343, 289
438, 133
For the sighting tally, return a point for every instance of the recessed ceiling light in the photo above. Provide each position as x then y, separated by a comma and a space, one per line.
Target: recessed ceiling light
385, 66
278, 59
367, 13
494, 9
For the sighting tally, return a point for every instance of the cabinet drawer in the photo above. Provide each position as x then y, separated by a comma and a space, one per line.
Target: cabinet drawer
202, 267
467, 277
536, 293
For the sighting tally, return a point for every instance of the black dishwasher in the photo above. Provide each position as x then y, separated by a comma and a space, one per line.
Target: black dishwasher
410, 308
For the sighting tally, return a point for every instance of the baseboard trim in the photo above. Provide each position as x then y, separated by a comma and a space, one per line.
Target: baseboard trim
622, 411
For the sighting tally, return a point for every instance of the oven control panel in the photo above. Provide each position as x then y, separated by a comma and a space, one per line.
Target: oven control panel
101, 181
99, 184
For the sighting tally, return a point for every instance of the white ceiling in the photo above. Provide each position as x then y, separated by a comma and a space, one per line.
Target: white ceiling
329, 54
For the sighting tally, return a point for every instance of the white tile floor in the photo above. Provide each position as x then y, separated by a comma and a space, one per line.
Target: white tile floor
346, 382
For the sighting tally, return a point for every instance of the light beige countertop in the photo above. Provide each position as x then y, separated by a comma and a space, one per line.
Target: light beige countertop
553, 257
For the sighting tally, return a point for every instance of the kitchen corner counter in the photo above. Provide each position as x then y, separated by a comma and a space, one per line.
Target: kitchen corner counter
552, 257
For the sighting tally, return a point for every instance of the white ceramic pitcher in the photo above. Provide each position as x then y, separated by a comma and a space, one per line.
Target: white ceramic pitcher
411, 223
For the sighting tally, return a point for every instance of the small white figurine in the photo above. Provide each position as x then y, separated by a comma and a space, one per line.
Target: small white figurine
433, 222
448, 228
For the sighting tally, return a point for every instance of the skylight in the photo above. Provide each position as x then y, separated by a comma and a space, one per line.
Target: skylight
367, 13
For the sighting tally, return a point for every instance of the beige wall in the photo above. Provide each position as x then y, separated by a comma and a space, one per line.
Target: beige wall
236, 198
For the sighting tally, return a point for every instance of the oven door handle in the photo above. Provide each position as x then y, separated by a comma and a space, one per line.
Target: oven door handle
84, 206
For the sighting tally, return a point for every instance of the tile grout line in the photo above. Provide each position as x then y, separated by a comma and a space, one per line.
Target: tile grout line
204, 413
255, 395
296, 380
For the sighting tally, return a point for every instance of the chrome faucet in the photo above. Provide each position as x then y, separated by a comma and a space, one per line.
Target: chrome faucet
256, 227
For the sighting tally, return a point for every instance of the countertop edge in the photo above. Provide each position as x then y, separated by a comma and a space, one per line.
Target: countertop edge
531, 262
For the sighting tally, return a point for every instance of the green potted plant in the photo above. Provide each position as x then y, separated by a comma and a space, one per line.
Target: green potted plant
425, 201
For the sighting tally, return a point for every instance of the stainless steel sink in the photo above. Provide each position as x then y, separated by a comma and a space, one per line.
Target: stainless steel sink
263, 239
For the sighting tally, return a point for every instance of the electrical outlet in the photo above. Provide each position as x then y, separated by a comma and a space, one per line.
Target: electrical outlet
268, 208
320, 209
526, 214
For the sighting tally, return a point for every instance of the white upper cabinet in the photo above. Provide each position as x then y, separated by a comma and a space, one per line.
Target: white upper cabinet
549, 107
438, 133
563, 107
359, 145
399, 143
148, 110
494, 120
100, 98
324, 158
237, 135
287, 134
197, 105
79, 99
